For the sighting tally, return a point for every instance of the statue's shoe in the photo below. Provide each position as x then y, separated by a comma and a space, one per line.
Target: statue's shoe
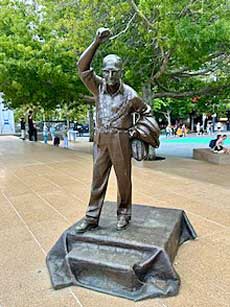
122, 222
86, 225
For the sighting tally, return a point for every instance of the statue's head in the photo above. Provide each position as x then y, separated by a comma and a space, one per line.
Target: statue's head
112, 69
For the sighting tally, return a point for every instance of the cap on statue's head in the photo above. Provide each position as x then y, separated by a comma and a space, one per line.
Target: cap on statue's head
112, 62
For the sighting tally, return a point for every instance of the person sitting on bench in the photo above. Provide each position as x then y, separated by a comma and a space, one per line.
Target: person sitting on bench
219, 148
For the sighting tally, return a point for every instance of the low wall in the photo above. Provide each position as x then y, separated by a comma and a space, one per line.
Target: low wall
206, 154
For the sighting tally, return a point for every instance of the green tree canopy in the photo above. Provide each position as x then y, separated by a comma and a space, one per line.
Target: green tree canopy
37, 67
171, 49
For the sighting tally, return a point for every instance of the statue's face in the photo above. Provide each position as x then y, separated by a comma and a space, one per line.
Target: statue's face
112, 69
111, 76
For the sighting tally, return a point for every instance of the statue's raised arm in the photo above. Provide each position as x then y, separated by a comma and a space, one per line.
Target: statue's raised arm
86, 58
87, 75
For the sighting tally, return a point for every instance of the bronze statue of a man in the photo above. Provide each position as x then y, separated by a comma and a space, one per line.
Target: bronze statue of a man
115, 103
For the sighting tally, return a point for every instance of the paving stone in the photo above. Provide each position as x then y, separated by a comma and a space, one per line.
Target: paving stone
93, 298
43, 190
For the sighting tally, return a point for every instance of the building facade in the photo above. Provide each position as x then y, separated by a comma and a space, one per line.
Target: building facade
7, 125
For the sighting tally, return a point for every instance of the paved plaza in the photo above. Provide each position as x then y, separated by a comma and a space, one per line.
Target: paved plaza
44, 190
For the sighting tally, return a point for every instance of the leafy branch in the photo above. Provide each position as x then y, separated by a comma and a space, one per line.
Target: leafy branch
126, 28
207, 91
140, 14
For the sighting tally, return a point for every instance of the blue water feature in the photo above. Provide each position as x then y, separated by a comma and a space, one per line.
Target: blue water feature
183, 147
192, 140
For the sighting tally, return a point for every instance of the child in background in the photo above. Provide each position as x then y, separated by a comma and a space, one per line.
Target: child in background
56, 141
184, 130
179, 131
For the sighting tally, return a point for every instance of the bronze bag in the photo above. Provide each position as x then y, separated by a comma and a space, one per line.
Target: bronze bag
147, 134
139, 149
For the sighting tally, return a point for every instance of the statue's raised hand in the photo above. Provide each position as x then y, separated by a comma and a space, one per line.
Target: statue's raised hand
103, 35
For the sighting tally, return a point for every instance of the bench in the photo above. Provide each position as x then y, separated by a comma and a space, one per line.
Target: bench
206, 154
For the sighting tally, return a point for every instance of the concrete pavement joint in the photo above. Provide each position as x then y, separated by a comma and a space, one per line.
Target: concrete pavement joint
76, 179
60, 187
45, 201
24, 223
208, 220
214, 233
76, 298
33, 236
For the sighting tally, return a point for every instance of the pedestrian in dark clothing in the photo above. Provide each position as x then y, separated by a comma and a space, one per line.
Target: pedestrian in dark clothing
56, 141
32, 127
212, 143
35, 133
23, 128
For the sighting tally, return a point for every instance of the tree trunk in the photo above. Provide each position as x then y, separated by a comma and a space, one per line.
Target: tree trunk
192, 123
147, 93
168, 117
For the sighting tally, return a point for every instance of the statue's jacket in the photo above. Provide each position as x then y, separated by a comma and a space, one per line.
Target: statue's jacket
114, 113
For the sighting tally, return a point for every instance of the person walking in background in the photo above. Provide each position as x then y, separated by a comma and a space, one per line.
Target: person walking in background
23, 128
75, 131
52, 132
65, 137
201, 130
32, 129
168, 131
35, 132
214, 116
173, 129
198, 127
45, 133
219, 127
209, 128
184, 130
